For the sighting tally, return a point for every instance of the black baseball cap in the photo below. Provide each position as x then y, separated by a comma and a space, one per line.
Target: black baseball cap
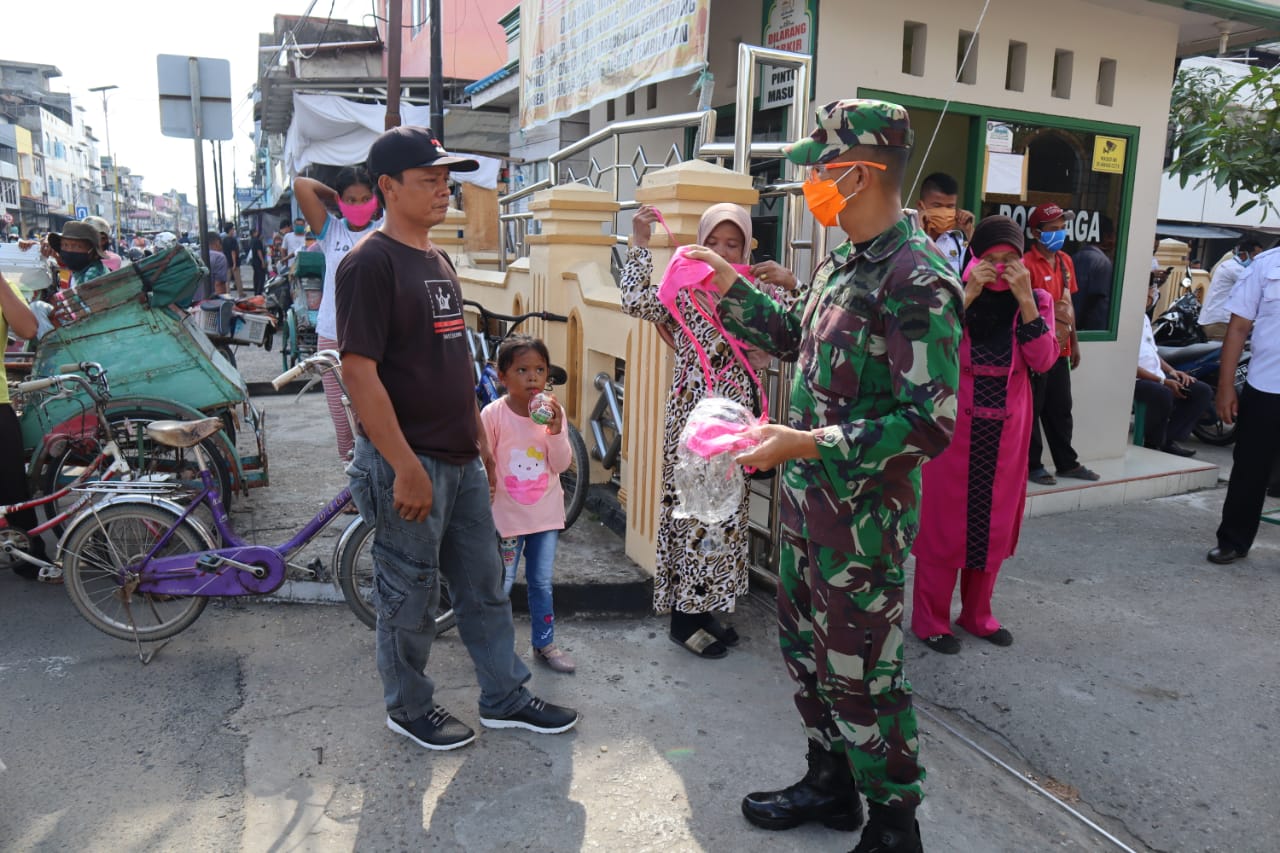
409, 147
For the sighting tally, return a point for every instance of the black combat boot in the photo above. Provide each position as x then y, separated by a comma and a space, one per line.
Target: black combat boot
890, 830
826, 794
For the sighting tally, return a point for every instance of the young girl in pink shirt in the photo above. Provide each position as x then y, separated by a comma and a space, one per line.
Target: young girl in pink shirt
528, 506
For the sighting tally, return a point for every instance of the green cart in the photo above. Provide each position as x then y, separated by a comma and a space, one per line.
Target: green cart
159, 363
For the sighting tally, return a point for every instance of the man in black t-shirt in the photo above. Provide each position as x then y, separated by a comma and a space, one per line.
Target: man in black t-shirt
231, 248
258, 260
422, 472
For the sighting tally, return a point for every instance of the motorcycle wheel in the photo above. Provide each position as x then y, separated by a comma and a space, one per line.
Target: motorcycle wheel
1213, 431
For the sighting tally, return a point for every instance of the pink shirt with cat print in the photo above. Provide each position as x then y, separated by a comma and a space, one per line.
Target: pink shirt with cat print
529, 498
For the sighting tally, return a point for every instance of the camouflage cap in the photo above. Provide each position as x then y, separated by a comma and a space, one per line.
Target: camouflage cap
853, 121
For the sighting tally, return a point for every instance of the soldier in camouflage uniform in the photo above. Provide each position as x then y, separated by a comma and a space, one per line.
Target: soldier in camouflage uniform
874, 396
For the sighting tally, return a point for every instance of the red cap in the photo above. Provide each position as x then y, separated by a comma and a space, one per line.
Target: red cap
1047, 213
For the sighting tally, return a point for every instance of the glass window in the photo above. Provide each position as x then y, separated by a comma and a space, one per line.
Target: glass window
1026, 165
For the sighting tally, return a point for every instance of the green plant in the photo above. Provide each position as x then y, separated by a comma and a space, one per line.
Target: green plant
1227, 130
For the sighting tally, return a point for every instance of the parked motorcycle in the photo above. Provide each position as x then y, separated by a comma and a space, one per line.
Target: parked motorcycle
1179, 325
1181, 341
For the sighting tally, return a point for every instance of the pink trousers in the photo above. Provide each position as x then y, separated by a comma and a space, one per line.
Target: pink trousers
333, 396
931, 601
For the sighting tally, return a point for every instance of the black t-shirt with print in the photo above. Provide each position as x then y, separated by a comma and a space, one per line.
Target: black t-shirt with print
402, 307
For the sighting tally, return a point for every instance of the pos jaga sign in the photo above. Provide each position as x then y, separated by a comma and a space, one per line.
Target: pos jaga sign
789, 25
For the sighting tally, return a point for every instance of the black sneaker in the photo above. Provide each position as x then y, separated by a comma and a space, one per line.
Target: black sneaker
437, 730
537, 716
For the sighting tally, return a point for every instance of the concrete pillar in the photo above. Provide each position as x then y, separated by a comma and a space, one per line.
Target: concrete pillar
575, 224
450, 234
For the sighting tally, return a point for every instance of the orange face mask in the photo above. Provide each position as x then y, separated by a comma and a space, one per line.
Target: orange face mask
823, 196
938, 220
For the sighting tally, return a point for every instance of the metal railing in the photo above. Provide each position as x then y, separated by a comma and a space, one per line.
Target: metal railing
800, 234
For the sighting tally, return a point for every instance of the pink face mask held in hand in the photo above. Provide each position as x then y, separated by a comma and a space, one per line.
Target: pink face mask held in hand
696, 277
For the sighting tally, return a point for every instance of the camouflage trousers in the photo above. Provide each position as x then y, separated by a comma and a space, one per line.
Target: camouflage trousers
840, 626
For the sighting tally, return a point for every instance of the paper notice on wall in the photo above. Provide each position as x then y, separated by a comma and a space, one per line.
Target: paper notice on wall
578, 53
1006, 175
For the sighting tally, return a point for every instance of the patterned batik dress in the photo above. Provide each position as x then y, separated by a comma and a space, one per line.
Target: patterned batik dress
701, 568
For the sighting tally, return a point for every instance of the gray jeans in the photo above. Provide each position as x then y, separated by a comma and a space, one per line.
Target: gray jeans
458, 541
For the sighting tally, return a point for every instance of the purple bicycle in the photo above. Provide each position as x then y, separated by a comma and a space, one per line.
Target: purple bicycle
139, 566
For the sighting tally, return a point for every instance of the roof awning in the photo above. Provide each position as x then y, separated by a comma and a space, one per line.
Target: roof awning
1195, 232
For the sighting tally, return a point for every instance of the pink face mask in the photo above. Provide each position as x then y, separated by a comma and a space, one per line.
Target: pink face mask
358, 215
999, 283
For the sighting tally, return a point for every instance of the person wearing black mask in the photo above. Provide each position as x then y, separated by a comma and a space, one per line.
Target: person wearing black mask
76, 248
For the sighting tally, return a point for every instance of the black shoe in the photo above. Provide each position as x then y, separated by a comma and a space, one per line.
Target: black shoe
537, 716
826, 793
1225, 554
945, 644
890, 830
1000, 637
1178, 450
437, 730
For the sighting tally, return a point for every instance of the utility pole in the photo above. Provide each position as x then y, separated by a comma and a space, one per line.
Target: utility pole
115, 171
219, 177
197, 123
437, 74
395, 31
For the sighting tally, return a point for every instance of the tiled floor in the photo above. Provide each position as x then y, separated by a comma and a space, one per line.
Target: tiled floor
1140, 475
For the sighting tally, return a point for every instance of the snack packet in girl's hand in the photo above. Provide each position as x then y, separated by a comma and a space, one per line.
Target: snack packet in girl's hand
707, 479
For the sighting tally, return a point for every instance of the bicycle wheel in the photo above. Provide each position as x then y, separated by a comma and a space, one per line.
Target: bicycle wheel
226, 352
355, 579
97, 557
576, 478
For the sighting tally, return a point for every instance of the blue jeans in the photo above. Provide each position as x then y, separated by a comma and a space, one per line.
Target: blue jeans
455, 541
539, 551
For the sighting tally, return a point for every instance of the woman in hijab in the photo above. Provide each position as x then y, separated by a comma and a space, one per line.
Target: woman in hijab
973, 492
702, 569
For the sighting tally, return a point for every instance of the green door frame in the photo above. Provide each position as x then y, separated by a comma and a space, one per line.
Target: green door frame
981, 114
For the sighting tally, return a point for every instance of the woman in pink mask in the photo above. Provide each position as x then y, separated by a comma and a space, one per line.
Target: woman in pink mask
352, 192
702, 569
973, 492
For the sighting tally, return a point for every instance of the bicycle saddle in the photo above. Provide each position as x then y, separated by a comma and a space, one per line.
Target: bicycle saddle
182, 433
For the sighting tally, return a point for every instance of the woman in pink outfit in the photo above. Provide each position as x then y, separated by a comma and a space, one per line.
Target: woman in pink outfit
974, 492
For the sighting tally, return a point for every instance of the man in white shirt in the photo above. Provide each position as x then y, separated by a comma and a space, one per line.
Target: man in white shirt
947, 225
1254, 305
1174, 400
1214, 316
295, 241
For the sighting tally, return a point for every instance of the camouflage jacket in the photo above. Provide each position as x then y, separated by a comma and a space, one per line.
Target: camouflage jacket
877, 347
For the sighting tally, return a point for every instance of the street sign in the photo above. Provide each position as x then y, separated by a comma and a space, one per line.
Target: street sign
82, 212
213, 91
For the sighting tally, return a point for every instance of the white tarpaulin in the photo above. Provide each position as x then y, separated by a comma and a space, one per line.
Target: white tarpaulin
334, 131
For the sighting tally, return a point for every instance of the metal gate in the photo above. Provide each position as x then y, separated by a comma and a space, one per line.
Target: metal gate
803, 242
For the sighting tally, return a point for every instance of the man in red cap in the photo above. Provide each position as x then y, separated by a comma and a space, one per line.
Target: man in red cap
1052, 270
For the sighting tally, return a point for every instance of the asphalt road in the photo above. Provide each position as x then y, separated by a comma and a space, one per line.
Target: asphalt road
1142, 688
